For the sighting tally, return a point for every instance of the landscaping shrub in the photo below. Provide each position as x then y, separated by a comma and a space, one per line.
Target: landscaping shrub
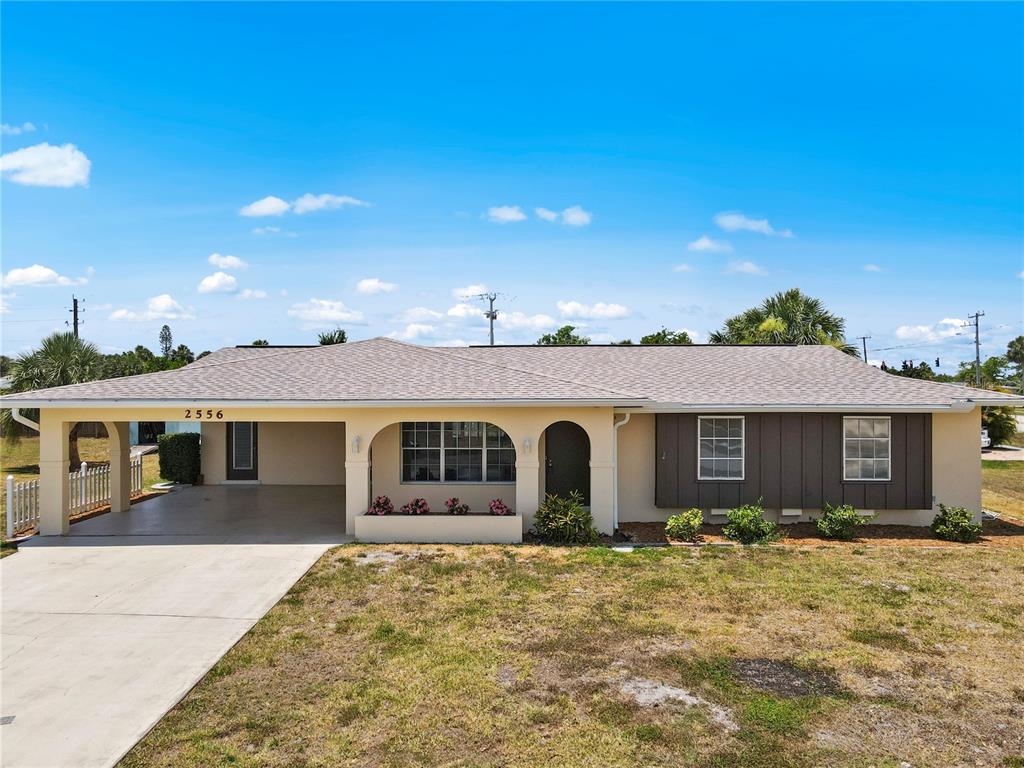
499, 507
456, 507
1000, 423
684, 526
564, 520
840, 522
955, 524
381, 506
748, 526
416, 507
179, 457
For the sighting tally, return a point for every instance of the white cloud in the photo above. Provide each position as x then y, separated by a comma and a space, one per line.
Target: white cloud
467, 291
1021, 275
371, 285
218, 282
574, 310
162, 307
744, 268
16, 130
705, 244
323, 313
546, 214
872, 268
252, 293
266, 230
521, 321
462, 311
266, 206
734, 221
575, 216
682, 268
945, 329
38, 275
309, 202
45, 165
413, 331
505, 214
226, 262
418, 315
4, 298
452, 343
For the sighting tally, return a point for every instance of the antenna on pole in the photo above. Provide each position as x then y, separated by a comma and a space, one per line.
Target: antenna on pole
491, 313
75, 321
976, 317
864, 341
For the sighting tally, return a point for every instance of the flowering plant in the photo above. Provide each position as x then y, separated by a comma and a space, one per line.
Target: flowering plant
499, 507
456, 507
416, 507
381, 506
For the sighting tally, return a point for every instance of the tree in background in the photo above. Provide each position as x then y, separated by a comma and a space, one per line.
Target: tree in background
260, 343
1015, 355
337, 336
665, 336
993, 372
60, 360
181, 355
5, 365
790, 317
166, 341
564, 336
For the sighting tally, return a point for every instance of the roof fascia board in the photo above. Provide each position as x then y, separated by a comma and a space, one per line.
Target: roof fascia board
959, 406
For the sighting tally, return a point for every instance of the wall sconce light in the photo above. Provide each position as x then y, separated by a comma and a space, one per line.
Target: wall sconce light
355, 444
526, 444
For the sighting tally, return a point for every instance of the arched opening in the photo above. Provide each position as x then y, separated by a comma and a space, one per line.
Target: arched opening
566, 447
474, 461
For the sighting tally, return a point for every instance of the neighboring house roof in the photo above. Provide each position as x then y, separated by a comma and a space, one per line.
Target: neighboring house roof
386, 371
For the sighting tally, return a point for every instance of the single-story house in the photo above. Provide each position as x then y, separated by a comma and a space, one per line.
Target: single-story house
639, 431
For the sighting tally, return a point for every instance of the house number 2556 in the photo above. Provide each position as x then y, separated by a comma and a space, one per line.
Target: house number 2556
199, 413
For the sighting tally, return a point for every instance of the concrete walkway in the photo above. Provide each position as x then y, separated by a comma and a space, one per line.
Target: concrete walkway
105, 630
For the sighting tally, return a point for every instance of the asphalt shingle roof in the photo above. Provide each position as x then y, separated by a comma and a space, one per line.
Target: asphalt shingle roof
384, 370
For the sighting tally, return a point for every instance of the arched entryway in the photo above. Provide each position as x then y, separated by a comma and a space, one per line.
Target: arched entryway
567, 460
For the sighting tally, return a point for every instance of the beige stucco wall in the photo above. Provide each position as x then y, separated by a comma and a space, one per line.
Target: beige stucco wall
956, 460
387, 480
636, 471
290, 453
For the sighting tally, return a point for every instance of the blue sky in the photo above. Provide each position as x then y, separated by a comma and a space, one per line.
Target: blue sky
688, 161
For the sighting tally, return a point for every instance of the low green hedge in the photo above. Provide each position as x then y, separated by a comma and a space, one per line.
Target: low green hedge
179, 457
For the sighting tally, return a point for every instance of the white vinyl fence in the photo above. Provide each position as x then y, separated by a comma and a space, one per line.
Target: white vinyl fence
87, 489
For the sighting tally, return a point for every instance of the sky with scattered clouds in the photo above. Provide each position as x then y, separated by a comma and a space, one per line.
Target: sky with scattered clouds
617, 167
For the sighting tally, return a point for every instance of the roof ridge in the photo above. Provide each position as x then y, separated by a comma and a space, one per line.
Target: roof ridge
450, 351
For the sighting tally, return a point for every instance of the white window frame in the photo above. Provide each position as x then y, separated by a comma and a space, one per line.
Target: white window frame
888, 476
743, 448
483, 468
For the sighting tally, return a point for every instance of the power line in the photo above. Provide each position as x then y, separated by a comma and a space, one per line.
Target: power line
864, 341
74, 314
976, 317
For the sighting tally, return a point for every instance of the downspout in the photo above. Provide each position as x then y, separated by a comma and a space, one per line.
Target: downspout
615, 471
16, 415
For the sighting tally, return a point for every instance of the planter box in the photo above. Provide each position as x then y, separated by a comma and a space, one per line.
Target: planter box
440, 529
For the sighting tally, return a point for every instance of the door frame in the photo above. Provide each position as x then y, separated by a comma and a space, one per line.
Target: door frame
582, 442
242, 475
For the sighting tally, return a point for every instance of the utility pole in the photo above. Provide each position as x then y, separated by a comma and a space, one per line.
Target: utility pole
864, 341
75, 322
491, 314
977, 345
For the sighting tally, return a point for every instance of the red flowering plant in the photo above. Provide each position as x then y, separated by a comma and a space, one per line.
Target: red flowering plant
381, 506
416, 507
499, 507
456, 507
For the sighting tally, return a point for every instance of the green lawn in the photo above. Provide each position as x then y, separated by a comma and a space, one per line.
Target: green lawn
531, 656
1002, 487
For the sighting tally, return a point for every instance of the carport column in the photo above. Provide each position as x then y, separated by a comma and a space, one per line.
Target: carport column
357, 492
527, 485
53, 475
120, 465
602, 472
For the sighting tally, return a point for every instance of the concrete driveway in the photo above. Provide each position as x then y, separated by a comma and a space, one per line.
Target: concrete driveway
105, 630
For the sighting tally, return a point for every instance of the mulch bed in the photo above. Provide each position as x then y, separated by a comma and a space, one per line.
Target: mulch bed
995, 533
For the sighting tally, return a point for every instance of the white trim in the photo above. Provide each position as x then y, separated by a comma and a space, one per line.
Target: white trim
888, 477
743, 447
616, 426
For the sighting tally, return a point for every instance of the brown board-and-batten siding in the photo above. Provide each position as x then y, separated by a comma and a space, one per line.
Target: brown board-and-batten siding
794, 461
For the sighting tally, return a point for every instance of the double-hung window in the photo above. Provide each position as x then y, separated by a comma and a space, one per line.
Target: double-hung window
720, 447
456, 452
866, 448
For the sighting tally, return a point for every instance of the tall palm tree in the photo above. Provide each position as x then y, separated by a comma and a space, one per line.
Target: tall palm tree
790, 317
61, 359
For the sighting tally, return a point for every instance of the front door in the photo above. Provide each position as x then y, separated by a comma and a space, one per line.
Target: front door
567, 453
243, 450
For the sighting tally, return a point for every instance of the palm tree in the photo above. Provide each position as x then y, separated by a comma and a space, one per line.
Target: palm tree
790, 317
61, 359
